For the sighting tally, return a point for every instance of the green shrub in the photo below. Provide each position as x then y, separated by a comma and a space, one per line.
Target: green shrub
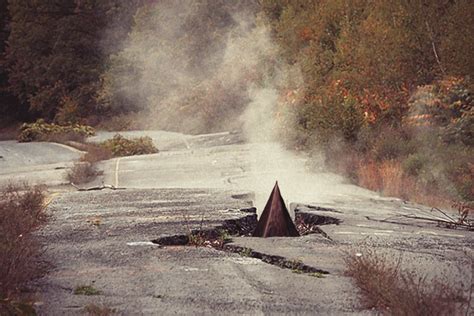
42, 131
121, 146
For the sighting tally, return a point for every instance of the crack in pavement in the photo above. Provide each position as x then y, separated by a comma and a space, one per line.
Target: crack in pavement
245, 226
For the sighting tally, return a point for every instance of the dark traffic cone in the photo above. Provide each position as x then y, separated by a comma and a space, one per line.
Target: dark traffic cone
275, 220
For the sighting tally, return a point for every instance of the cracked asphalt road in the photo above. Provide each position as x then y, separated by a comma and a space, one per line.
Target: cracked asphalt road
35, 163
102, 238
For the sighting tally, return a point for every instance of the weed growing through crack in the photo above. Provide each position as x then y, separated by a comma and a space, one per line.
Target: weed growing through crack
196, 239
296, 264
224, 236
318, 275
384, 285
246, 252
201, 237
208, 238
86, 290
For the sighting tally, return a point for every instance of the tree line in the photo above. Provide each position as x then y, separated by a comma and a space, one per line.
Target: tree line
377, 79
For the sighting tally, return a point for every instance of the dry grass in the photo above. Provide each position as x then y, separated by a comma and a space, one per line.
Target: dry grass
388, 178
21, 213
85, 170
96, 153
82, 172
393, 291
368, 176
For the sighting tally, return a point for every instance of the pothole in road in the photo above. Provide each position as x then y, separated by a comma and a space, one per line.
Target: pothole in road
309, 223
220, 238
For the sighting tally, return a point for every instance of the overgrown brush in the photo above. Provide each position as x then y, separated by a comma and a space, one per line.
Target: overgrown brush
42, 131
121, 146
96, 153
85, 170
21, 213
384, 285
82, 172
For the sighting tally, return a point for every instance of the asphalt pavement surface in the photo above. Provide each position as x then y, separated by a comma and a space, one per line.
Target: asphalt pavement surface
103, 239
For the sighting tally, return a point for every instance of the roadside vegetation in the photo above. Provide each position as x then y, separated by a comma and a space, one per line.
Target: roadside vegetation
392, 290
85, 170
386, 92
82, 172
121, 146
383, 89
22, 212
75, 135
51, 132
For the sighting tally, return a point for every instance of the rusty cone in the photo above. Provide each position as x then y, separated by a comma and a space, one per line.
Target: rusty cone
275, 220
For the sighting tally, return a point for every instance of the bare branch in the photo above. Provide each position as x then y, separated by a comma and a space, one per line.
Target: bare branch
433, 46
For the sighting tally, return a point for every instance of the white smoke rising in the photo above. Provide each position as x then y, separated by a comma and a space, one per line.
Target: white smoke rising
258, 119
236, 82
189, 65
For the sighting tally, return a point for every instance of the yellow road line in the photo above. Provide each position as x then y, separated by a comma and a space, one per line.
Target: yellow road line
48, 199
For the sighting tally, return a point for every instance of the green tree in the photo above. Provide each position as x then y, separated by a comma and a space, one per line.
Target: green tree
55, 54
377, 52
10, 107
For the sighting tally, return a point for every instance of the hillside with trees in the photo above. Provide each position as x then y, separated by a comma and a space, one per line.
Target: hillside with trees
386, 89
382, 88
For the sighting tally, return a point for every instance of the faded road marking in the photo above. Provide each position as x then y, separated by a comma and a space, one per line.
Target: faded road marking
117, 164
69, 147
186, 143
437, 234
50, 199
388, 232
